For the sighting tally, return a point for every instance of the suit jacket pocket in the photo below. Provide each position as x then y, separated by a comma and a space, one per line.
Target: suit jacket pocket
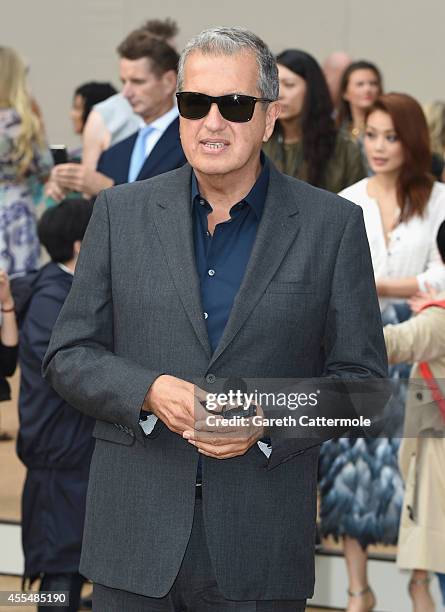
290, 287
113, 432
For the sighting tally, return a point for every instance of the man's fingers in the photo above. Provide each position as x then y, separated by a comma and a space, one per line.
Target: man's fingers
212, 423
200, 394
222, 435
226, 451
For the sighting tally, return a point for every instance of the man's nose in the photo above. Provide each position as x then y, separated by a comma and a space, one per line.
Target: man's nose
126, 90
214, 121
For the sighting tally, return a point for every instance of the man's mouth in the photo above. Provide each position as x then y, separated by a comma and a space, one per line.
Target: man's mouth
214, 145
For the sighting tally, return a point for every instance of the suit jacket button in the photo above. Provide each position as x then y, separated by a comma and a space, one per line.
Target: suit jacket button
210, 378
419, 396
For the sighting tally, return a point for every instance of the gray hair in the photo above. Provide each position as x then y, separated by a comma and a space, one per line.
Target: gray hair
229, 41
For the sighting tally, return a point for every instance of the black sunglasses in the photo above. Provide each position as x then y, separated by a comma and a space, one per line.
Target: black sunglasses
233, 107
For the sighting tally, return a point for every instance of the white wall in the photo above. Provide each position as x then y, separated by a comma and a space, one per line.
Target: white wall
67, 43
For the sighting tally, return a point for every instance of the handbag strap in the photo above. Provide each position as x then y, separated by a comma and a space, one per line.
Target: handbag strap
431, 382
426, 373
438, 303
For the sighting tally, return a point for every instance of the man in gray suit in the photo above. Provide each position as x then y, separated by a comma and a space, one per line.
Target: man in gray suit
224, 268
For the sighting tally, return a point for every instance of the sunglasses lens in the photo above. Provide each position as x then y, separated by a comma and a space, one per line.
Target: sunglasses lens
237, 108
193, 105
234, 107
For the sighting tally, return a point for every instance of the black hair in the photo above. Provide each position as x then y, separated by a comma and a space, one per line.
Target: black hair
441, 240
92, 93
61, 225
317, 123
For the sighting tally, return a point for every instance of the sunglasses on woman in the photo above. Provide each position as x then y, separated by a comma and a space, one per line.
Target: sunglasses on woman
233, 107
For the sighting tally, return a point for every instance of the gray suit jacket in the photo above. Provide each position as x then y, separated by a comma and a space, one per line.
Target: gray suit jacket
307, 307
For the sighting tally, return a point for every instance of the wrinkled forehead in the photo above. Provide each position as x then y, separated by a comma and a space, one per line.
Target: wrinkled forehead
232, 72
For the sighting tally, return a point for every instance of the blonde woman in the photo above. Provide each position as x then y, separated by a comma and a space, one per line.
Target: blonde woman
24, 159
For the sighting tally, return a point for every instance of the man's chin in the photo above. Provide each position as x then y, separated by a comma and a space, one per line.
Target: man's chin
213, 167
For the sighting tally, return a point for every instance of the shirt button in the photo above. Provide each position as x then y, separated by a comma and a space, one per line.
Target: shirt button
210, 378
211, 272
206, 316
207, 234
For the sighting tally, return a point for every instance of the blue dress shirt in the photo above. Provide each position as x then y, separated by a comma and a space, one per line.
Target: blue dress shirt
222, 259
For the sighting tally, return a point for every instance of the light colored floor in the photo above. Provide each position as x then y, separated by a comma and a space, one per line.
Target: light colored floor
12, 472
11, 583
12, 475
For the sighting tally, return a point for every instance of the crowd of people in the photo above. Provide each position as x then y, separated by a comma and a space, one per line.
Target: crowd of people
337, 130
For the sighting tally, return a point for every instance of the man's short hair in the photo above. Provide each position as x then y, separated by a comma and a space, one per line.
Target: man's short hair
140, 43
165, 29
229, 41
441, 240
61, 225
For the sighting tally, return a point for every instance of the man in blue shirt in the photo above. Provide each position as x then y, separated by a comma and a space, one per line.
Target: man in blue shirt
224, 269
148, 68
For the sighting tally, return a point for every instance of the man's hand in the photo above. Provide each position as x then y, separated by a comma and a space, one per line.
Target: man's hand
221, 441
176, 402
80, 178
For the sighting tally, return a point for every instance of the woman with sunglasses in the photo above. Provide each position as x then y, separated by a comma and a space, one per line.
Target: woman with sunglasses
360, 483
305, 143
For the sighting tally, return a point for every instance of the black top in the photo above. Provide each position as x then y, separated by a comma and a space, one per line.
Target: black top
8, 362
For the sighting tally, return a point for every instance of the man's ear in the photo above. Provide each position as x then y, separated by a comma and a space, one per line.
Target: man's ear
272, 114
169, 80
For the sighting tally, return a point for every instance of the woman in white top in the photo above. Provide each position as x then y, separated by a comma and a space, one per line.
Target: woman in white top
403, 208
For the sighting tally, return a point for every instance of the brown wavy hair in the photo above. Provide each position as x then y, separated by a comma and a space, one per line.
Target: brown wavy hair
415, 180
343, 110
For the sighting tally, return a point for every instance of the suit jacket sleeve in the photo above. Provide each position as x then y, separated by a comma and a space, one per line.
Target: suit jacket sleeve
353, 381
104, 163
80, 362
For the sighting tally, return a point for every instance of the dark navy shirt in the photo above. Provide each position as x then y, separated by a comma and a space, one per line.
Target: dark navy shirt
222, 259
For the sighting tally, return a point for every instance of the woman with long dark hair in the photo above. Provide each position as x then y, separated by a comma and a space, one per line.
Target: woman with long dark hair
360, 484
360, 86
85, 97
305, 143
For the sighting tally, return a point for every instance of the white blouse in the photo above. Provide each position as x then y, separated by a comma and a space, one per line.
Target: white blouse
411, 248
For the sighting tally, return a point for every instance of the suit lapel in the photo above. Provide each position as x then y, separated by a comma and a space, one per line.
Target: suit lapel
173, 220
168, 141
123, 166
277, 230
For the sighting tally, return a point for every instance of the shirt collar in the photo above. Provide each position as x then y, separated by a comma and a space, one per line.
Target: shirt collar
162, 123
256, 196
65, 269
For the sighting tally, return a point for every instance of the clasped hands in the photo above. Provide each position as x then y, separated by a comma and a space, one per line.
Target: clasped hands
178, 404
